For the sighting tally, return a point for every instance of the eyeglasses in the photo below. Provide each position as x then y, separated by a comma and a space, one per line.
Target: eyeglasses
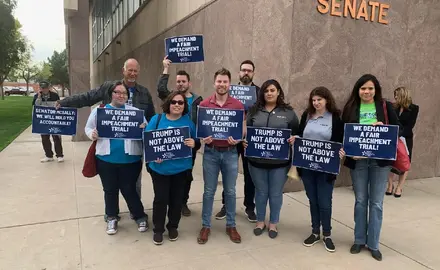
180, 102
120, 93
246, 70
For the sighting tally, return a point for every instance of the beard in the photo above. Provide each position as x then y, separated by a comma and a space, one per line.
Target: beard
221, 91
130, 80
183, 90
245, 79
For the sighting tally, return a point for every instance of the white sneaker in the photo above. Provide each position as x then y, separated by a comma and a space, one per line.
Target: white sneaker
46, 159
112, 226
143, 226
60, 159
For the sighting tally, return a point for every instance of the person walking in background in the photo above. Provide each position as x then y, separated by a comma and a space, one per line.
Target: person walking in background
48, 98
320, 121
270, 175
407, 113
369, 176
246, 76
183, 85
118, 163
170, 177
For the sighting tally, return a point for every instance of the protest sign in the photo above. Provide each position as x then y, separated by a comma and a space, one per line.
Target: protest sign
119, 124
185, 49
220, 123
246, 94
166, 144
378, 142
317, 155
47, 120
269, 143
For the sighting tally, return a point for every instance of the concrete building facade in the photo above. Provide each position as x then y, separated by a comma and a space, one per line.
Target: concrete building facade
302, 44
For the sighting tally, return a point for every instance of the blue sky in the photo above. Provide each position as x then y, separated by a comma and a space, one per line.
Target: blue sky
43, 24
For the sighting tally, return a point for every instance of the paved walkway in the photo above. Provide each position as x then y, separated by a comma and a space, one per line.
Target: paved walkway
51, 218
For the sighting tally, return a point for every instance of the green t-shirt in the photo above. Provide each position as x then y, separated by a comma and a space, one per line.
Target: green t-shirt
367, 114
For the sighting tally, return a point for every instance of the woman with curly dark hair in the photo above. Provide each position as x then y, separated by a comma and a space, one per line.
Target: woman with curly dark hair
270, 175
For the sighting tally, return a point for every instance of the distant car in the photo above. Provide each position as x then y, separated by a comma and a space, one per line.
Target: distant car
15, 91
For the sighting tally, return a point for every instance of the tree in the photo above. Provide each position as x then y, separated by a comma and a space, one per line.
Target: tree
25, 70
43, 73
58, 68
12, 43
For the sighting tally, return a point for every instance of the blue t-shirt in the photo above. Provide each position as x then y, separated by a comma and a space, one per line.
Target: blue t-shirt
175, 166
117, 150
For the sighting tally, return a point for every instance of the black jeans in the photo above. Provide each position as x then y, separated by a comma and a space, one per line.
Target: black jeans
189, 179
168, 193
123, 177
249, 187
47, 145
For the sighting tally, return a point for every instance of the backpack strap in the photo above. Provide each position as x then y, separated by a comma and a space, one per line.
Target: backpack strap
158, 120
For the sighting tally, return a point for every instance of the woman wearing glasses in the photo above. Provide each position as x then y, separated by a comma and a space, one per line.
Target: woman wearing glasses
169, 176
118, 163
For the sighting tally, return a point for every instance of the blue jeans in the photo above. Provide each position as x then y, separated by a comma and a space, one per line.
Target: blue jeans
269, 184
369, 183
213, 162
319, 190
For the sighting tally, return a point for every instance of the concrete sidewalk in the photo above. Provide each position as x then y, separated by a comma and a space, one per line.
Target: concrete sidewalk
52, 218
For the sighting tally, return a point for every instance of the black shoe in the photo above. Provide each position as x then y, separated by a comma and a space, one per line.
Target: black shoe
356, 248
388, 193
273, 234
173, 234
376, 254
259, 231
221, 214
185, 211
158, 238
328, 243
251, 216
311, 240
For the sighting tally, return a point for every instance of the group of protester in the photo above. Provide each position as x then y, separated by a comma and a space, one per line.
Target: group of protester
119, 162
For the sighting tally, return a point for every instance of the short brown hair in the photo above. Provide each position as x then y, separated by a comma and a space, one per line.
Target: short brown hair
222, 71
167, 103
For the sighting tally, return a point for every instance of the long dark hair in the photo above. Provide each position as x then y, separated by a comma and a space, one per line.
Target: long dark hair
354, 101
167, 103
261, 102
324, 93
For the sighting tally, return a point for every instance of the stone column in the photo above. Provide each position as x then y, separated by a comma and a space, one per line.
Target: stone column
78, 47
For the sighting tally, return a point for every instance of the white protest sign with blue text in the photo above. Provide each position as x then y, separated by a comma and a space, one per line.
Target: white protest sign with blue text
119, 124
166, 144
378, 142
220, 123
317, 155
268, 143
246, 94
185, 49
47, 120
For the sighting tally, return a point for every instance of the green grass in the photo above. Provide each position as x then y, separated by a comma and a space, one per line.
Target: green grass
15, 116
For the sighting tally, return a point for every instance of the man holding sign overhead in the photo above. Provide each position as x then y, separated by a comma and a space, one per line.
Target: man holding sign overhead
183, 85
220, 155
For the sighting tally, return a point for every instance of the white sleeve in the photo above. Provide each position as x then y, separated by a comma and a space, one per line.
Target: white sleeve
91, 123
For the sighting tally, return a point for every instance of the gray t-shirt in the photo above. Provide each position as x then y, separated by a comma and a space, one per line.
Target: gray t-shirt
319, 128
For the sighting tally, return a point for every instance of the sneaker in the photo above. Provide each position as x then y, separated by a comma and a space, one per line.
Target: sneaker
60, 159
46, 159
328, 244
112, 226
311, 240
173, 234
143, 226
106, 218
221, 214
251, 216
158, 239
185, 211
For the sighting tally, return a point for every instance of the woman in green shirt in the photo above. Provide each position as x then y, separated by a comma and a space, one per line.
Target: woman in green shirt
369, 176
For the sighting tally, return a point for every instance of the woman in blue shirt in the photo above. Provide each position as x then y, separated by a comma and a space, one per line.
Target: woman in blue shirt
169, 176
118, 163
